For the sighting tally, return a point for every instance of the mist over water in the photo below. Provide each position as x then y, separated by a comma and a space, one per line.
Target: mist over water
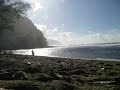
76, 52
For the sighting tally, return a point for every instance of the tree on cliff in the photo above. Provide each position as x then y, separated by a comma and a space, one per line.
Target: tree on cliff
10, 10
24, 35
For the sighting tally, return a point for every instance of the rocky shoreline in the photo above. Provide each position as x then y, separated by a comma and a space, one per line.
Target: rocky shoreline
19, 72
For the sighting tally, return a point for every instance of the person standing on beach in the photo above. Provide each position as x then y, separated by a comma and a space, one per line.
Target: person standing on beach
32, 52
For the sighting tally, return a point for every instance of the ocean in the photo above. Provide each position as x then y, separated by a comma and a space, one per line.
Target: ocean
103, 51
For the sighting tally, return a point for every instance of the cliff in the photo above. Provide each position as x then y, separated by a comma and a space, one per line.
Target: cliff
24, 36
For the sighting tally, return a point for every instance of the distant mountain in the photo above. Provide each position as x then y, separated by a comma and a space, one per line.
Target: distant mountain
24, 36
108, 43
52, 42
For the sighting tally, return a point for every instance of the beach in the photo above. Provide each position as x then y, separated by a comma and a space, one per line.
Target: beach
25, 72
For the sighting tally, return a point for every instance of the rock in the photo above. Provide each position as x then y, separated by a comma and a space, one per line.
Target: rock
4, 75
44, 77
5, 89
32, 69
29, 63
12, 75
20, 75
72, 72
23, 85
117, 80
61, 85
77, 72
64, 73
59, 76
1, 71
67, 79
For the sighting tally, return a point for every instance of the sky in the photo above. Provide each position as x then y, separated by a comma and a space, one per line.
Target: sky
75, 22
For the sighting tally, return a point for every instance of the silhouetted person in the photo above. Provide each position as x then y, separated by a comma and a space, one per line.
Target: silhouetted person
10, 52
32, 52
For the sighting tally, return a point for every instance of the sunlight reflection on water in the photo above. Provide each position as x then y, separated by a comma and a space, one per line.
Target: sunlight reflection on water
108, 52
37, 52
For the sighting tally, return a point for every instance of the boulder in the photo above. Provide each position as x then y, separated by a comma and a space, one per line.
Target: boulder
4, 75
13, 75
77, 72
19, 75
44, 77
60, 85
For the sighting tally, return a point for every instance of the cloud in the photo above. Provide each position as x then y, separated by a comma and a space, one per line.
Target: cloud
44, 10
97, 38
70, 38
41, 27
55, 34
37, 6
39, 14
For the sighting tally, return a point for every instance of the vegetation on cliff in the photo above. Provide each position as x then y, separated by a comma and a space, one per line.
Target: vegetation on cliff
16, 30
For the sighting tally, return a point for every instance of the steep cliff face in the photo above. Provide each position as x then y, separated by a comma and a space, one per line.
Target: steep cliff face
24, 36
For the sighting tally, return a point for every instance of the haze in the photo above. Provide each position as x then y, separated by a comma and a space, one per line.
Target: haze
75, 22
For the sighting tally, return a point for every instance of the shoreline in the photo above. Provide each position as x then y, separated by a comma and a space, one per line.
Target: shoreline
57, 57
96, 59
23, 72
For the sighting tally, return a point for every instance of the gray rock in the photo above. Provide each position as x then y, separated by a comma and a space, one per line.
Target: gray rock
4, 75
44, 77
60, 85
5, 89
13, 75
20, 75
77, 72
